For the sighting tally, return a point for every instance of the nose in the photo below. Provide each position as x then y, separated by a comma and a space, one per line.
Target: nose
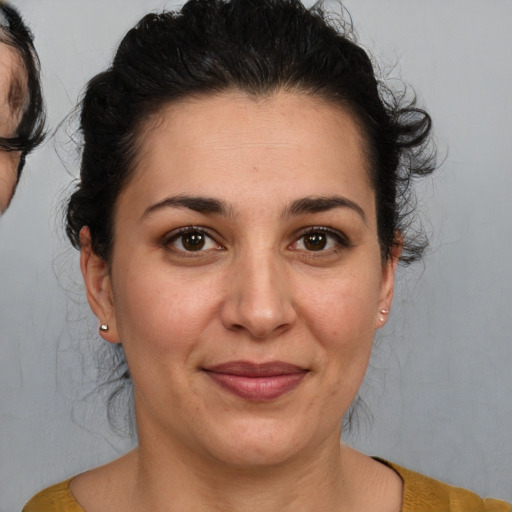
259, 298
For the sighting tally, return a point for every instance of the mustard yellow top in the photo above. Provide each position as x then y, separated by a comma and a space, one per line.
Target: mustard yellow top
421, 494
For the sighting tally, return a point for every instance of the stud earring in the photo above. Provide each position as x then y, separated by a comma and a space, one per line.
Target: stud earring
383, 313
104, 327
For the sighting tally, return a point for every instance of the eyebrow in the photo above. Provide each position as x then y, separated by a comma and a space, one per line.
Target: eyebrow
206, 205
209, 205
322, 204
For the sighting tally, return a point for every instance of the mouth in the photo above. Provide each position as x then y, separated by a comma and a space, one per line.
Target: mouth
257, 382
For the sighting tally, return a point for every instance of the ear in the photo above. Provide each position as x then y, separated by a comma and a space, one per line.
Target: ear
98, 286
388, 282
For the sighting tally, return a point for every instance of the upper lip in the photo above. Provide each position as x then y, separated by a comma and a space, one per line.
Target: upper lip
250, 369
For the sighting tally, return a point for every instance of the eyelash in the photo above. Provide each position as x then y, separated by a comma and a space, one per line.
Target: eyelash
340, 240
174, 236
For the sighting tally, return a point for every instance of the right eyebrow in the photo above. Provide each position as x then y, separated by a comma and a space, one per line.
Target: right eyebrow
206, 205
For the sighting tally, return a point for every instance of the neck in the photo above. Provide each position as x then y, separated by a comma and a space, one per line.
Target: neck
170, 480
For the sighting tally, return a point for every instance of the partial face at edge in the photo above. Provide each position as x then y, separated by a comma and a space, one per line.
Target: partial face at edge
11, 108
248, 233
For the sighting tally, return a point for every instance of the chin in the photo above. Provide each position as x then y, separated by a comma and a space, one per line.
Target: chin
257, 444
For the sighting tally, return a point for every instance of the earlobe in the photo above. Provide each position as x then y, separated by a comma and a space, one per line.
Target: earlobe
98, 287
388, 283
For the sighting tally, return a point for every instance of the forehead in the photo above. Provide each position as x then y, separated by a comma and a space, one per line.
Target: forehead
13, 89
244, 150
280, 128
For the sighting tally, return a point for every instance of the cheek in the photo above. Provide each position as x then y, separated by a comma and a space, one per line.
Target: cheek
163, 311
341, 317
344, 310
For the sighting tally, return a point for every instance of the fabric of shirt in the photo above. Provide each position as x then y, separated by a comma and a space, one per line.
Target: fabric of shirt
420, 494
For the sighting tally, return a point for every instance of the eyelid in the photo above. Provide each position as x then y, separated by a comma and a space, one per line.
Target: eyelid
174, 234
341, 238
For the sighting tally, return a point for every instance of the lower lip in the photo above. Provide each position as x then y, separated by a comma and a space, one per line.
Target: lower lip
268, 387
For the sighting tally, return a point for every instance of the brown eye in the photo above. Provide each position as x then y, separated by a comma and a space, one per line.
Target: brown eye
315, 241
321, 239
194, 241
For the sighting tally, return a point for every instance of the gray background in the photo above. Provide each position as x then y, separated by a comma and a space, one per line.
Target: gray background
439, 384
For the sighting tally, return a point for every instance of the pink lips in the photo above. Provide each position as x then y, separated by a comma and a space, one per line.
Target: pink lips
258, 382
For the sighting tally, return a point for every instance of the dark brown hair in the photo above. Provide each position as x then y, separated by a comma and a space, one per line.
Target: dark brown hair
25, 100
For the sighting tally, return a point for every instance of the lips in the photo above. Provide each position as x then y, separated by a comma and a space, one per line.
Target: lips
257, 382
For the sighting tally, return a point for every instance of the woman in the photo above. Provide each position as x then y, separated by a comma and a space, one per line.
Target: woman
240, 215
21, 103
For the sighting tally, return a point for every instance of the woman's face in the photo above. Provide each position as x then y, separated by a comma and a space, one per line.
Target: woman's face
9, 160
246, 276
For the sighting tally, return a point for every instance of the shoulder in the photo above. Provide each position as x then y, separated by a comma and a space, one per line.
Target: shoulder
57, 498
421, 493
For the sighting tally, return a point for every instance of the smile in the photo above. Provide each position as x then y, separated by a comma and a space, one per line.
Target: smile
257, 382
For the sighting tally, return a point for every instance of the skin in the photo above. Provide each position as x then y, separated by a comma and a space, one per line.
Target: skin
256, 292
9, 160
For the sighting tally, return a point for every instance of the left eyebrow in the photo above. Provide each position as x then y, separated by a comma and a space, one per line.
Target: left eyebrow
322, 204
